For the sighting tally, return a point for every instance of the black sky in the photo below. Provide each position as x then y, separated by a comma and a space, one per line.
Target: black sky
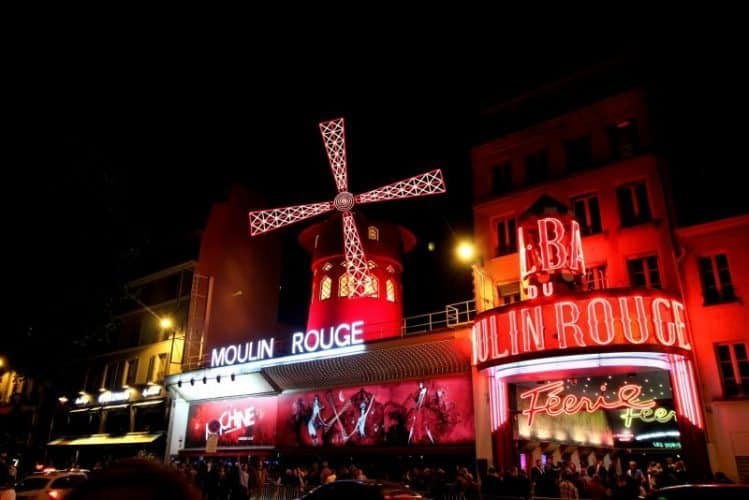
116, 151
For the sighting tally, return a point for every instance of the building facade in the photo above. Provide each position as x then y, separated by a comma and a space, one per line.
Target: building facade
593, 172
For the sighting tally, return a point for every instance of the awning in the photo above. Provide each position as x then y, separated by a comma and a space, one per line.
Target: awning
106, 439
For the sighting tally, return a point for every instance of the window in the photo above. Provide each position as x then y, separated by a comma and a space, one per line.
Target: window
373, 233
579, 153
537, 167
587, 213
734, 369
161, 373
633, 204
317, 240
132, 372
716, 279
113, 375
327, 267
509, 293
371, 290
595, 277
390, 290
325, 285
623, 139
502, 178
157, 368
644, 272
506, 237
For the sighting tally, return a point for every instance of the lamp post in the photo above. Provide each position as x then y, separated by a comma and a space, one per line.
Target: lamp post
483, 286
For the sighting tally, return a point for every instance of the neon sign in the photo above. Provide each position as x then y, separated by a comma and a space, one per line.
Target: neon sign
589, 321
82, 399
326, 338
546, 250
151, 390
648, 415
570, 404
113, 397
242, 353
345, 334
234, 420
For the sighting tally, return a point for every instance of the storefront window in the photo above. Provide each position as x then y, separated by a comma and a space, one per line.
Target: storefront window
150, 418
118, 421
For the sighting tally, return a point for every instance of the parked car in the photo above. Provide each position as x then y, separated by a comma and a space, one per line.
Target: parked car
52, 485
716, 491
369, 489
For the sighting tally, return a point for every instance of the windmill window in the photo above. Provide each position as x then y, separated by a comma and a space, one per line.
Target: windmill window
373, 233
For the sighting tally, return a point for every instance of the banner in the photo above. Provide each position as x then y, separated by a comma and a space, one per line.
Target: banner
425, 412
241, 422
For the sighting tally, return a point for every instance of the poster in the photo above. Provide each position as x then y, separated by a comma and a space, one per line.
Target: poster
426, 412
241, 422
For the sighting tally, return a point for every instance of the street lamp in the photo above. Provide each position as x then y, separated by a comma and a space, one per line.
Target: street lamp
483, 286
166, 322
466, 251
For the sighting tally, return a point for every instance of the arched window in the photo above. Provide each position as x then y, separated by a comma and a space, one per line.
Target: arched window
390, 290
373, 233
372, 289
325, 284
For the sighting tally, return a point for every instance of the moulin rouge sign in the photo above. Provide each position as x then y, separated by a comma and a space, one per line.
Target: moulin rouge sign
549, 254
345, 334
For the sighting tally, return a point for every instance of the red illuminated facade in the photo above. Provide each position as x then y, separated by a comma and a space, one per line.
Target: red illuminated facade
584, 319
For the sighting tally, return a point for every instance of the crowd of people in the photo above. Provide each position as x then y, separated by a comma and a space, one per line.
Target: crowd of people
232, 479
568, 481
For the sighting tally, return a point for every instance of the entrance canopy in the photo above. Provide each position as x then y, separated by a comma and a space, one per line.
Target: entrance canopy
106, 439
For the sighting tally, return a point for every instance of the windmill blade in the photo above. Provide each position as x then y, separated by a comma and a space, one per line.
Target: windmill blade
262, 221
418, 185
356, 262
335, 145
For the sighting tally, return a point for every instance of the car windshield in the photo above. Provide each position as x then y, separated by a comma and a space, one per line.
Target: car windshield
68, 482
32, 483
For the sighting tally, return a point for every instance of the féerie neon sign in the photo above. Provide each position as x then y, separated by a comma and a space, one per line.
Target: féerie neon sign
648, 415
627, 397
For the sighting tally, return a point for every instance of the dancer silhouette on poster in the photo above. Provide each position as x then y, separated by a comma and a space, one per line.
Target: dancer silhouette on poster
315, 421
419, 417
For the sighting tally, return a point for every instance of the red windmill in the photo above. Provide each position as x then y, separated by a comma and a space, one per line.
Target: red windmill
262, 221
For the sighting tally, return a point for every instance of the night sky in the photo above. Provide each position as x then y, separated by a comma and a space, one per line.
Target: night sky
115, 153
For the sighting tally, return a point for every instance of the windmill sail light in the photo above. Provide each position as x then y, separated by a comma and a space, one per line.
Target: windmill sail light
262, 221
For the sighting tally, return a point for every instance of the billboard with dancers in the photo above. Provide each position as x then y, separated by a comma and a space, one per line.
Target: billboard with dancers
424, 412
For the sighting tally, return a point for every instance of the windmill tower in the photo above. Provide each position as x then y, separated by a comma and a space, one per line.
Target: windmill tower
355, 278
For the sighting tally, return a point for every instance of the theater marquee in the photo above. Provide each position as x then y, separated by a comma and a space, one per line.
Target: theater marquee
578, 321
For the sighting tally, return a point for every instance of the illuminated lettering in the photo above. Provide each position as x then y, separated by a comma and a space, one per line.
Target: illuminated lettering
627, 323
338, 341
151, 390
522, 254
679, 324
627, 397
553, 253
533, 328
316, 336
608, 321
113, 397
494, 340
296, 343
658, 320
648, 415
577, 261
234, 420
515, 330
563, 325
